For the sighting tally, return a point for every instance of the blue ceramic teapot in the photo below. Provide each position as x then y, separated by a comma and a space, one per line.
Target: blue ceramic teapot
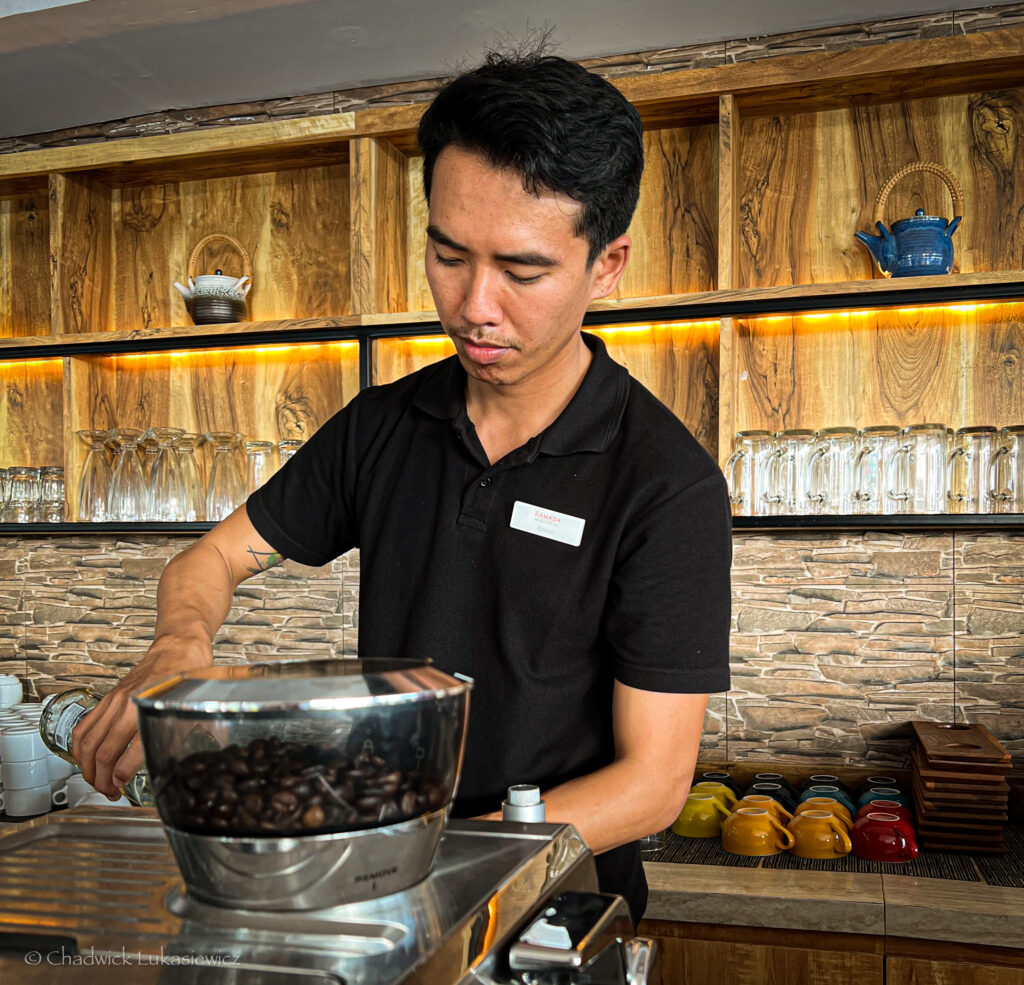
922, 244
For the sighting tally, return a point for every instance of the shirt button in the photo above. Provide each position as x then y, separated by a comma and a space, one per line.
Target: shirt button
484, 483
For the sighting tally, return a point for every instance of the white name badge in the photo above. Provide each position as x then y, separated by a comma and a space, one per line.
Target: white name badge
547, 523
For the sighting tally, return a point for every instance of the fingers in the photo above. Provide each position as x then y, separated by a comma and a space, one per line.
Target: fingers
100, 739
128, 765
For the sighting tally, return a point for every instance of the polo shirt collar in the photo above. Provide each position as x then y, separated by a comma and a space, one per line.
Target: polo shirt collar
588, 423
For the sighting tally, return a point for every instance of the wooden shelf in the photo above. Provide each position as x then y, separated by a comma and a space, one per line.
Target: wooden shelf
1000, 286
740, 524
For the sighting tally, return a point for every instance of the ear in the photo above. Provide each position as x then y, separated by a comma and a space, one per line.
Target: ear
609, 267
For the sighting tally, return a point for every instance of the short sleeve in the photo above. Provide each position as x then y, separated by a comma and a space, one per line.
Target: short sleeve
306, 510
668, 612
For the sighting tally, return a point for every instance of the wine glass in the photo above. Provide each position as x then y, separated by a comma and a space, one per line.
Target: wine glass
227, 487
191, 473
166, 495
95, 481
126, 500
258, 464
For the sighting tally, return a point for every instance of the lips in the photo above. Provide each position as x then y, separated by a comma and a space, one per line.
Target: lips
483, 352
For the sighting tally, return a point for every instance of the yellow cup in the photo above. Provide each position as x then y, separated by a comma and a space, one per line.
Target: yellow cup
829, 804
753, 831
819, 834
770, 804
701, 817
720, 791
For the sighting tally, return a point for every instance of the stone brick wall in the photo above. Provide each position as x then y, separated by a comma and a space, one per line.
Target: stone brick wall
838, 641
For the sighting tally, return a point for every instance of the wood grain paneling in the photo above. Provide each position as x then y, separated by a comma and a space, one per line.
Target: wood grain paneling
678, 363
718, 955
907, 971
728, 190
958, 365
419, 296
31, 431
80, 254
395, 358
24, 264
378, 208
675, 227
808, 182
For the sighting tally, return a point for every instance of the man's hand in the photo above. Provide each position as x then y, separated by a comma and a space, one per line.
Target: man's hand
192, 602
103, 742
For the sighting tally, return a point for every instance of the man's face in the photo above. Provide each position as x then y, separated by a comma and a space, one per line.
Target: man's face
508, 273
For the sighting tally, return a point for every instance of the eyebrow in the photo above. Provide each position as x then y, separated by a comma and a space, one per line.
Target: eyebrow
523, 259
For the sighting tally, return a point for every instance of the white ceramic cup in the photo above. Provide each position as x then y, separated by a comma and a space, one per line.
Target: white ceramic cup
20, 743
22, 706
80, 791
25, 775
28, 802
96, 799
57, 768
10, 690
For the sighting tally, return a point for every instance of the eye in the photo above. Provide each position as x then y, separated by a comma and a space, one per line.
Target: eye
524, 280
447, 261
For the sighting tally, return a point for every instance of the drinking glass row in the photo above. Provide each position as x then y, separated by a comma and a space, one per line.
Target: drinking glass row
167, 482
31, 494
922, 468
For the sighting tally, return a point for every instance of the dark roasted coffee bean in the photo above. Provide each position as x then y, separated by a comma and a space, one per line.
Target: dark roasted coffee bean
220, 823
313, 817
250, 785
289, 780
224, 811
260, 767
369, 805
388, 810
435, 796
408, 803
253, 803
310, 771
239, 767
247, 820
284, 801
228, 796
257, 749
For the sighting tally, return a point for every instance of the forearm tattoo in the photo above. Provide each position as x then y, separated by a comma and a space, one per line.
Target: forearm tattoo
263, 560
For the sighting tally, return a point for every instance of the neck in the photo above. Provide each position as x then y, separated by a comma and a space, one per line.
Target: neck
507, 416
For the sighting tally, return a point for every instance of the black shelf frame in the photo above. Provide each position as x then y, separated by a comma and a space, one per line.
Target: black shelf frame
366, 335
1012, 522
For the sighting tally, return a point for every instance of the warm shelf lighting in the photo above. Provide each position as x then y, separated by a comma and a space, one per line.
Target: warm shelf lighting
242, 349
651, 327
30, 362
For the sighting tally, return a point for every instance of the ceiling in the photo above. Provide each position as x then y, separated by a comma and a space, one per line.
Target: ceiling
66, 63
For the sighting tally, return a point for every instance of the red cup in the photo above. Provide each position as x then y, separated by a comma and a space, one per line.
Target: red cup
886, 807
883, 837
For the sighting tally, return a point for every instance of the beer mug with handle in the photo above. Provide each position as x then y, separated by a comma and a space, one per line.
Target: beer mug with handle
875, 447
970, 470
1006, 474
747, 472
830, 471
923, 456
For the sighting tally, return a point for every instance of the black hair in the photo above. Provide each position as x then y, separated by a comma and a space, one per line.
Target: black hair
561, 127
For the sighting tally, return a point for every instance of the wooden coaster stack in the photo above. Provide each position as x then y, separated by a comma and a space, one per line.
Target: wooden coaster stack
959, 786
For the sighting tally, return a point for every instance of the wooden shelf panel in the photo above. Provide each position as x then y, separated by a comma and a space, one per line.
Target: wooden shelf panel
995, 287
25, 262
31, 412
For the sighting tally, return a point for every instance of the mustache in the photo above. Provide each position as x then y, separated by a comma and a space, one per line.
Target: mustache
467, 335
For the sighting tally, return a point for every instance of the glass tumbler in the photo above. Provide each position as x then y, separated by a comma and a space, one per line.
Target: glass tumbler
746, 469
52, 501
23, 501
830, 471
94, 483
970, 470
1006, 480
287, 447
166, 494
258, 463
126, 500
795, 445
192, 474
227, 487
4, 493
875, 446
923, 455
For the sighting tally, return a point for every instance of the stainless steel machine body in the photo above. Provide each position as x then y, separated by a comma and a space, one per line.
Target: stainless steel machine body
94, 895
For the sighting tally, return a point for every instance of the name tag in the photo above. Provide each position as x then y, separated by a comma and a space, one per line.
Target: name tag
547, 523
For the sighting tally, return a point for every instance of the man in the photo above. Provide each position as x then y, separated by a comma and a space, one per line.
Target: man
527, 514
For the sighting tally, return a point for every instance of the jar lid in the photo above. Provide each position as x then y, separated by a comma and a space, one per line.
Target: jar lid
300, 685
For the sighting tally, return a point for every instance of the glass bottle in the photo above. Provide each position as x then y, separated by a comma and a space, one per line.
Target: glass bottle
126, 500
258, 464
58, 721
191, 473
165, 498
227, 487
94, 484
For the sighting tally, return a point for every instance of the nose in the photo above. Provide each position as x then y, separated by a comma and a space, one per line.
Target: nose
481, 305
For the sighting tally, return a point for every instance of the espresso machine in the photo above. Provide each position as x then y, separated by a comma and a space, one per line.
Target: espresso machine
301, 838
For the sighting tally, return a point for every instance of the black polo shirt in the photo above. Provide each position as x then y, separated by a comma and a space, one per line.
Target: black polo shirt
614, 565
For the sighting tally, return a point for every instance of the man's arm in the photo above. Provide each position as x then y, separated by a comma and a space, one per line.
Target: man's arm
193, 600
656, 740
